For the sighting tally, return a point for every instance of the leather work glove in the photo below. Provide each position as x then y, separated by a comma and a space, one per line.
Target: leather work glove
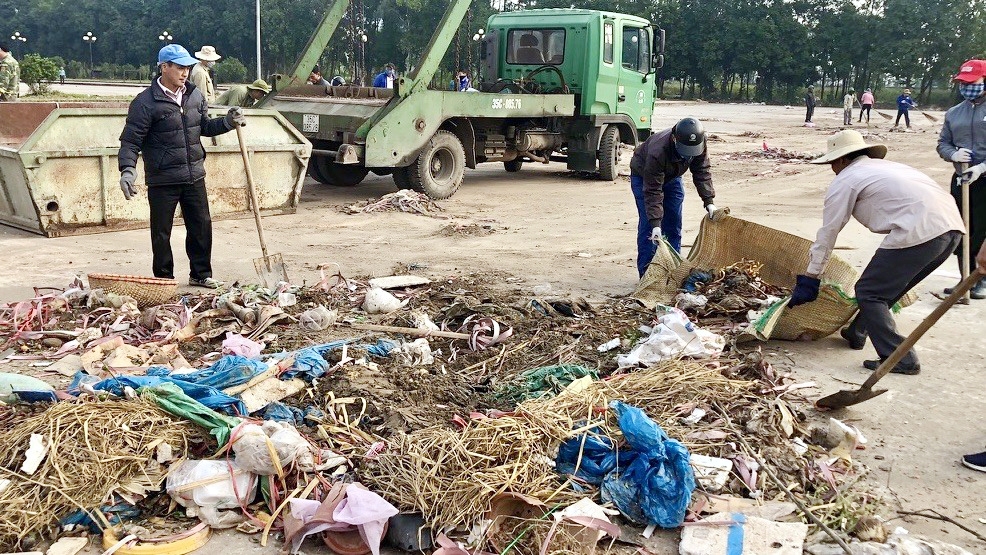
127, 178
805, 290
235, 117
656, 235
962, 155
711, 209
972, 174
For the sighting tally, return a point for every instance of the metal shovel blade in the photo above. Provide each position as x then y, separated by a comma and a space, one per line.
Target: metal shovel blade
846, 398
271, 269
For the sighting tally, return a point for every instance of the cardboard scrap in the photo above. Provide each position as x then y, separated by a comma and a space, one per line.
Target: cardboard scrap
721, 533
268, 391
68, 546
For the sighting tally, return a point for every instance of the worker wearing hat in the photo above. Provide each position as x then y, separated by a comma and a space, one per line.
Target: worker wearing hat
963, 142
165, 125
244, 96
921, 223
207, 58
904, 105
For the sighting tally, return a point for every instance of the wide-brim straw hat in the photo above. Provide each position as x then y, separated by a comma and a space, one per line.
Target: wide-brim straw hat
259, 85
846, 142
208, 53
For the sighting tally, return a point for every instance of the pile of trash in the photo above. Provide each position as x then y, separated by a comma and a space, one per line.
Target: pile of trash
766, 152
458, 414
404, 200
735, 294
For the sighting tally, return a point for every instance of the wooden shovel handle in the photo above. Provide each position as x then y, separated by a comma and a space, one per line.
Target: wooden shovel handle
253, 193
923, 327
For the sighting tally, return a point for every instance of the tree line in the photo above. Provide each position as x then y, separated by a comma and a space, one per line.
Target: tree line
749, 50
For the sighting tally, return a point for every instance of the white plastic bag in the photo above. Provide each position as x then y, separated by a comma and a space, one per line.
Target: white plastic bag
674, 335
250, 444
205, 488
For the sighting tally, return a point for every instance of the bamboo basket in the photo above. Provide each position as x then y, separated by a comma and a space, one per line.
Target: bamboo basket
147, 291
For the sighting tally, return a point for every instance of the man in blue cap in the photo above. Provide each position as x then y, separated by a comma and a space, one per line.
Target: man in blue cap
165, 123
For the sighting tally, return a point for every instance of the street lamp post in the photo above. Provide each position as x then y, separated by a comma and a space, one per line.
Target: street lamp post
166, 37
90, 39
18, 37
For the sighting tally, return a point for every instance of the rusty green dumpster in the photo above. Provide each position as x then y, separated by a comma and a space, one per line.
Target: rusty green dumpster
59, 176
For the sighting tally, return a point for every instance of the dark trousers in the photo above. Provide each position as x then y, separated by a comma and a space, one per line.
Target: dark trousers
890, 274
194, 202
865, 108
907, 117
809, 113
674, 199
977, 215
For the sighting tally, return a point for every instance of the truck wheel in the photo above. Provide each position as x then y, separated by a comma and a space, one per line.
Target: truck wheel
402, 177
330, 173
609, 154
513, 166
438, 170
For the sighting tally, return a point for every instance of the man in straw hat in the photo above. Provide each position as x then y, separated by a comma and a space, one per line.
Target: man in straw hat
200, 77
921, 223
244, 96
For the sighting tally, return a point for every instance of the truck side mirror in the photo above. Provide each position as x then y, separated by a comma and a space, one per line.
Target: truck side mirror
660, 46
658, 61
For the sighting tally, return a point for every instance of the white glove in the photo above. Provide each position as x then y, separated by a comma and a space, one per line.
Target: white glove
962, 155
235, 117
127, 177
974, 173
711, 209
656, 235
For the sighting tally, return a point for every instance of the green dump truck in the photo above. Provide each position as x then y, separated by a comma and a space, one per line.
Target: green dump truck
556, 84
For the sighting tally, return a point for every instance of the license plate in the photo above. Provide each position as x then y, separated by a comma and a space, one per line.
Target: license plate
309, 123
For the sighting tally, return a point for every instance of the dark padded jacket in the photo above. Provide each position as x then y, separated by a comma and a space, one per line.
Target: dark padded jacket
168, 135
657, 162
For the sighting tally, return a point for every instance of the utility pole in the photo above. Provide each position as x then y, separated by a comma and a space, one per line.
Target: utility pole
259, 72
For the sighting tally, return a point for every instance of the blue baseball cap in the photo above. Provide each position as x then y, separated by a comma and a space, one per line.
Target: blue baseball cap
176, 54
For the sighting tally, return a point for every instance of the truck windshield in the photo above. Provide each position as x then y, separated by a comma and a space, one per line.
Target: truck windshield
536, 46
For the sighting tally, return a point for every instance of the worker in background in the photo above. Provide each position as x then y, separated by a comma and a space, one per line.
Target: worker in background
655, 179
244, 96
809, 105
977, 461
847, 104
462, 81
165, 124
61, 75
10, 75
921, 223
385, 79
315, 77
963, 141
866, 103
904, 105
200, 77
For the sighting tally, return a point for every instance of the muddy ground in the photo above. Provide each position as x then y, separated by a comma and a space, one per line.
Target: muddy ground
548, 229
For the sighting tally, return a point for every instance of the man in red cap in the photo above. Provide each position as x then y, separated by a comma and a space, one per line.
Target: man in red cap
963, 142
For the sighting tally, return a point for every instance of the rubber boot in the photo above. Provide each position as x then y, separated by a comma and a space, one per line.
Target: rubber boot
978, 291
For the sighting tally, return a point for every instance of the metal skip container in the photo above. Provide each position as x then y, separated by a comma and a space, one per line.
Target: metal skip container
59, 176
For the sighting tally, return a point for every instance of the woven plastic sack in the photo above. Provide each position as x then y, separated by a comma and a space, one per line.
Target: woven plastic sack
725, 240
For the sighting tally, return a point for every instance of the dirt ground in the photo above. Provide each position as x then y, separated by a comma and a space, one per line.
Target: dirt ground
577, 235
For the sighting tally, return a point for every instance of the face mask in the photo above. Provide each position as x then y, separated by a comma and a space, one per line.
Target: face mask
390, 73
972, 91
210, 64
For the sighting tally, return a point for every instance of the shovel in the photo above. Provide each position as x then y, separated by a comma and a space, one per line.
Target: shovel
270, 268
966, 255
848, 397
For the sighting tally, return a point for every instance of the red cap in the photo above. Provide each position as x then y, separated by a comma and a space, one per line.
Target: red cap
971, 71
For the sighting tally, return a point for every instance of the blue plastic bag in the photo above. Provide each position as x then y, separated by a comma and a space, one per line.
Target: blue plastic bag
229, 371
208, 396
283, 413
310, 363
649, 479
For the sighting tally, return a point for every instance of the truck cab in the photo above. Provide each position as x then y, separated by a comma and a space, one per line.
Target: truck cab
607, 60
